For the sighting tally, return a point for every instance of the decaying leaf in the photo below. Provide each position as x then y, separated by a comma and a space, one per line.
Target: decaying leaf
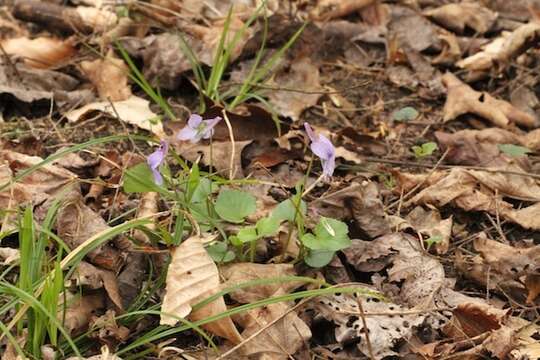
457, 16
109, 76
462, 99
192, 277
497, 54
41, 52
239, 273
422, 275
79, 311
9, 255
331, 9
388, 325
134, 110
430, 224
278, 341
301, 88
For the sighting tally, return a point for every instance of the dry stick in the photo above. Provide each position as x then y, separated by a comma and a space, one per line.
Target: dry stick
232, 168
366, 329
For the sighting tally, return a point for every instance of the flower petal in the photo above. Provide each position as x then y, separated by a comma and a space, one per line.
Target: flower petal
323, 148
209, 127
194, 121
310, 132
329, 166
158, 179
187, 133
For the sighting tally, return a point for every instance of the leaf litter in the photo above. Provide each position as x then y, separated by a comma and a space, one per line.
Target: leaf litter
419, 242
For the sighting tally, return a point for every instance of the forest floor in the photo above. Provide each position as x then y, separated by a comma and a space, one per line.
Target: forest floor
309, 179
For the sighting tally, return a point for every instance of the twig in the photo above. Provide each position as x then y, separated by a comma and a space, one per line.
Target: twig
366, 329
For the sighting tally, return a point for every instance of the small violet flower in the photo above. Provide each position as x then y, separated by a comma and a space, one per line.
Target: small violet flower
155, 160
197, 128
323, 148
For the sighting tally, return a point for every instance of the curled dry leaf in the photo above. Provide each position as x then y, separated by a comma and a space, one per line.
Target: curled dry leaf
332, 9
239, 273
388, 325
430, 224
191, 278
502, 50
79, 311
362, 202
41, 52
9, 255
472, 319
278, 341
109, 76
134, 110
422, 275
462, 99
456, 17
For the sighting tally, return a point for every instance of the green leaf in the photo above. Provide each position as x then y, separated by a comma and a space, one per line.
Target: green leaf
219, 252
247, 234
234, 205
329, 234
203, 190
139, 179
435, 239
513, 150
286, 210
405, 114
424, 150
267, 226
319, 258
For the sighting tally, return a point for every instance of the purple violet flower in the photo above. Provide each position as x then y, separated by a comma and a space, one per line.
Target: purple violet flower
155, 159
324, 149
197, 128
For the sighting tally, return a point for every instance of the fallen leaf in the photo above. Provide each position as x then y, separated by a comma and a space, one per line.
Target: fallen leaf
9, 255
462, 99
360, 202
331, 9
239, 273
472, 319
499, 53
41, 52
430, 224
301, 88
110, 76
388, 325
192, 277
456, 17
134, 110
421, 275
79, 311
278, 341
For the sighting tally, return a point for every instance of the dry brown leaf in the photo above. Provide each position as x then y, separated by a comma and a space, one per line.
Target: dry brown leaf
384, 330
192, 277
456, 17
299, 81
41, 52
421, 275
79, 311
99, 20
451, 50
109, 76
134, 110
462, 99
362, 202
472, 319
9, 255
332, 9
497, 54
430, 224
279, 341
477, 147
219, 157
243, 272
